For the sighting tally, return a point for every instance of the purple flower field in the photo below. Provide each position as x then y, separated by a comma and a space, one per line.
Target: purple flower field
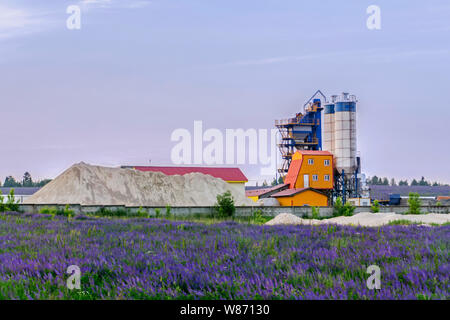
140, 258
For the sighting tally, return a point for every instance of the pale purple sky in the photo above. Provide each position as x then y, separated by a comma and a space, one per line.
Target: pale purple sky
112, 92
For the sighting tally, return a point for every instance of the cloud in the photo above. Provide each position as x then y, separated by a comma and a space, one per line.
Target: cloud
273, 60
125, 4
97, 3
15, 21
21, 21
377, 54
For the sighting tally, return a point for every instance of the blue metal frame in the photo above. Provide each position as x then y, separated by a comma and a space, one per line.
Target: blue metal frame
311, 119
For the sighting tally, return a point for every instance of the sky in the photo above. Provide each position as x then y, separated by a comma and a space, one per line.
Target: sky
113, 92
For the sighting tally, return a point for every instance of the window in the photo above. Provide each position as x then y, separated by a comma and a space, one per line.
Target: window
326, 162
315, 177
310, 161
326, 177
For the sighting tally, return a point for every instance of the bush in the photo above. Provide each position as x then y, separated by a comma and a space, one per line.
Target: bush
103, 212
348, 209
224, 207
168, 212
11, 204
342, 210
66, 212
142, 213
414, 203
46, 210
315, 213
158, 213
375, 207
439, 204
2, 205
257, 217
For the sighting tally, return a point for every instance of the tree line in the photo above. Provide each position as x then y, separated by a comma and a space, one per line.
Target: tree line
386, 182
27, 181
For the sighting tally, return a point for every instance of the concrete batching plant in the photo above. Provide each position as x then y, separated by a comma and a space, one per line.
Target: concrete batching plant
339, 138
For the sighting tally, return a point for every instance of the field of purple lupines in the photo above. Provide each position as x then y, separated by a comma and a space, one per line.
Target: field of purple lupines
141, 258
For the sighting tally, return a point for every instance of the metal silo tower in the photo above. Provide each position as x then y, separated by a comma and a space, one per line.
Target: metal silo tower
347, 164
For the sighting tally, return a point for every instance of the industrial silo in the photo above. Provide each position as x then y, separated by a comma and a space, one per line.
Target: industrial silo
345, 133
328, 128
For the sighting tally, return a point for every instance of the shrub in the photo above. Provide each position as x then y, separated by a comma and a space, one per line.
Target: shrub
315, 213
439, 204
103, 212
402, 222
67, 212
224, 207
375, 207
342, 210
142, 213
158, 213
257, 217
2, 205
414, 203
46, 210
348, 209
168, 212
11, 204
337, 207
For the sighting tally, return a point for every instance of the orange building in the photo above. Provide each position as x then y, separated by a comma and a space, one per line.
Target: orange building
311, 169
301, 197
309, 176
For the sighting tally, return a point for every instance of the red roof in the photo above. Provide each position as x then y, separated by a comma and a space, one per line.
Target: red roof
291, 192
315, 152
227, 174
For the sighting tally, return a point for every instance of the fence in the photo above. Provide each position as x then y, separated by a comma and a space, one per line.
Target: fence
240, 211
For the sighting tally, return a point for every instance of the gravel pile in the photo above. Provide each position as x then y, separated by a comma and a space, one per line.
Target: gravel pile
366, 219
95, 185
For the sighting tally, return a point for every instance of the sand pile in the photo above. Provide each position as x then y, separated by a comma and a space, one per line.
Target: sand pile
94, 185
366, 219
287, 218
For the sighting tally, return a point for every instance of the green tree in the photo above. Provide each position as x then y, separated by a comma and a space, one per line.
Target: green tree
27, 181
393, 182
403, 183
423, 182
42, 183
414, 203
10, 182
342, 210
385, 181
375, 207
436, 184
2, 205
375, 180
224, 207
11, 204
315, 212
414, 182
